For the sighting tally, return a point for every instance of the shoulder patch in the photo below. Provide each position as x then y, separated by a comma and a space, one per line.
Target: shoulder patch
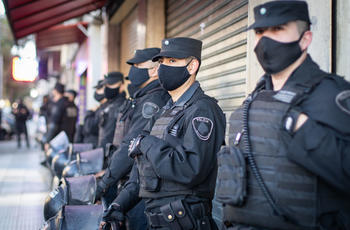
149, 109
203, 127
343, 101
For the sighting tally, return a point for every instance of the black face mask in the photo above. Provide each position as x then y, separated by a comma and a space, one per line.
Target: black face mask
275, 56
138, 76
111, 93
132, 89
172, 77
99, 97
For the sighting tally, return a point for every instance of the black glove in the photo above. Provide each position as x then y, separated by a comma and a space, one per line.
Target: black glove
134, 147
113, 214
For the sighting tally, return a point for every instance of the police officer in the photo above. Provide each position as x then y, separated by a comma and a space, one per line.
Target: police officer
146, 101
297, 144
88, 131
115, 95
21, 114
176, 153
57, 111
71, 115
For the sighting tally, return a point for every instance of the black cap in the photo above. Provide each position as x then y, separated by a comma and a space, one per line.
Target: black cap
99, 85
113, 77
59, 87
73, 92
276, 13
180, 48
143, 55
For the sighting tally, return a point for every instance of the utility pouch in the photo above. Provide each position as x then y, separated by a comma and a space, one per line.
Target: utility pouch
183, 214
232, 176
169, 216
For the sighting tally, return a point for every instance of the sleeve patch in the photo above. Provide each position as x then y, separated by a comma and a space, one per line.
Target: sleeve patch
343, 101
203, 127
149, 109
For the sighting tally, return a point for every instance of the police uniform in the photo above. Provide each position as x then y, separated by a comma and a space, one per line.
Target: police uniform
57, 112
69, 119
176, 168
108, 118
132, 118
90, 128
272, 177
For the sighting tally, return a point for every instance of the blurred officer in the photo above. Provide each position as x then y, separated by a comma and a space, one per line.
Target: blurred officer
71, 115
176, 153
115, 95
146, 101
297, 145
89, 130
21, 114
57, 111
45, 108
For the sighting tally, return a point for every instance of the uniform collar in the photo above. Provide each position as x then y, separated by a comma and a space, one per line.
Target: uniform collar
120, 95
184, 97
307, 70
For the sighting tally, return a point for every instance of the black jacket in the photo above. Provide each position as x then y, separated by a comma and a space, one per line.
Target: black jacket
151, 95
193, 164
108, 120
57, 110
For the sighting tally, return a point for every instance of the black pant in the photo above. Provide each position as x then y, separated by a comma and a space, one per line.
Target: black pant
22, 129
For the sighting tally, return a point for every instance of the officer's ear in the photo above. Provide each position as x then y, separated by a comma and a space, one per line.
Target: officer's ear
153, 72
193, 66
306, 40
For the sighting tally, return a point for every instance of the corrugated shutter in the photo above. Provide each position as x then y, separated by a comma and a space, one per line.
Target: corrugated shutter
221, 25
129, 40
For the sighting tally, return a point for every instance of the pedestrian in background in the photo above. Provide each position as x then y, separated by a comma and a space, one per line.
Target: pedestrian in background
21, 113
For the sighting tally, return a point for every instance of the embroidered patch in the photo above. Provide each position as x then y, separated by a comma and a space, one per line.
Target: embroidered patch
149, 109
203, 127
285, 96
343, 101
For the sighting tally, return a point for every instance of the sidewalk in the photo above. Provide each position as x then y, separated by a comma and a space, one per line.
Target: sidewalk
24, 185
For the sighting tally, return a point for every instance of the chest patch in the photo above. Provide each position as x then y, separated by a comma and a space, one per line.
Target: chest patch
343, 101
149, 109
203, 127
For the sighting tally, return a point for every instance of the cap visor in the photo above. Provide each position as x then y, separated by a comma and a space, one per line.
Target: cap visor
173, 54
136, 60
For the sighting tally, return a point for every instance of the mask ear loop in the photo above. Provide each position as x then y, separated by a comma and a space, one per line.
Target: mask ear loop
301, 36
189, 62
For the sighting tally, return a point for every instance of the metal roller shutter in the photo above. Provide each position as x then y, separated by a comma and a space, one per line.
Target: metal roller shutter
221, 25
129, 40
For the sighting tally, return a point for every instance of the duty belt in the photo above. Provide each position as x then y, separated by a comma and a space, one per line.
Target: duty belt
164, 219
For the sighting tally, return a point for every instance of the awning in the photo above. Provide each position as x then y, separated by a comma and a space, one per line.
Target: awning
61, 34
31, 16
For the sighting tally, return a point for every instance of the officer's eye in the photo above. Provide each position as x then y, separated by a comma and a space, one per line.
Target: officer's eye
277, 28
259, 31
172, 60
160, 61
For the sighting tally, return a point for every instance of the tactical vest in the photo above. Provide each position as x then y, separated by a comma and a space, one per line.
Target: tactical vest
123, 121
166, 127
103, 121
69, 120
293, 188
